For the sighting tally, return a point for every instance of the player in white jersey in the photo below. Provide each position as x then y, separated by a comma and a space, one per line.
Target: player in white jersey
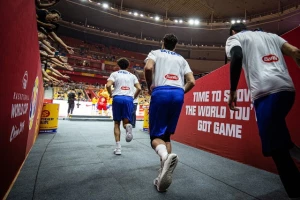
165, 72
123, 94
273, 93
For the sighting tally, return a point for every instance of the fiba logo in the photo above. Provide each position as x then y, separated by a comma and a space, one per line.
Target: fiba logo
34, 98
25, 80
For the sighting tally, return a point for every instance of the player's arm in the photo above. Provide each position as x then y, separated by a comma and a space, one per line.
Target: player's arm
108, 87
292, 51
236, 55
138, 90
148, 70
190, 82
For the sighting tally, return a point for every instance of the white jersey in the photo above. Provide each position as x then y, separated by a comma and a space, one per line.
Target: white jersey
263, 62
169, 68
124, 82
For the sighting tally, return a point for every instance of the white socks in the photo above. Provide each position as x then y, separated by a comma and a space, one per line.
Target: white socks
118, 145
161, 150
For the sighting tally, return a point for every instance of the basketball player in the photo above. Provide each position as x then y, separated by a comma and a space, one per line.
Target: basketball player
273, 93
123, 95
165, 72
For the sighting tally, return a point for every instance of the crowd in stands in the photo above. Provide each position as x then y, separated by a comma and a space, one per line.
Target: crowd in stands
88, 57
51, 58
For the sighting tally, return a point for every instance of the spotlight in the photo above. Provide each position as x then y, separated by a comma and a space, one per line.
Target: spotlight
105, 5
244, 21
176, 21
151, 17
180, 21
156, 18
135, 14
238, 21
191, 22
196, 22
130, 13
233, 21
99, 3
141, 15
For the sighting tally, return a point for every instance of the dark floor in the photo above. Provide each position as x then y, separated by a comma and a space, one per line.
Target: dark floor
78, 163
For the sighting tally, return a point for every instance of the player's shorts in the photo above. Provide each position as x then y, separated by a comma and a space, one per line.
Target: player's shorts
122, 108
271, 111
164, 110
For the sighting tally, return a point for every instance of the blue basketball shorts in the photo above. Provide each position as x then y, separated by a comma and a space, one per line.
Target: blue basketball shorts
164, 111
122, 108
270, 112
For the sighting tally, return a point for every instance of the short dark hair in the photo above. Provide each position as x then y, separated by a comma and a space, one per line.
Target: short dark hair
123, 63
55, 12
170, 41
238, 27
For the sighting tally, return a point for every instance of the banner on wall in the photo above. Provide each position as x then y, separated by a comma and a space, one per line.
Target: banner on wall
22, 88
207, 123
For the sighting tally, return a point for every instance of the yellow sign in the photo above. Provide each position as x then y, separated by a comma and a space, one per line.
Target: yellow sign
87, 74
146, 119
110, 63
49, 118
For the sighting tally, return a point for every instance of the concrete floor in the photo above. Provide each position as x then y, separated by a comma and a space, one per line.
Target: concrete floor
78, 163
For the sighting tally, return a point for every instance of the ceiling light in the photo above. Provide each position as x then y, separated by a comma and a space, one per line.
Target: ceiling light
99, 3
141, 15
130, 13
105, 5
233, 21
238, 21
244, 21
156, 18
151, 17
135, 14
180, 21
176, 21
191, 22
196, 22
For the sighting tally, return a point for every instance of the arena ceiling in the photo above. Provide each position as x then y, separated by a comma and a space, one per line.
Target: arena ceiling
214, 15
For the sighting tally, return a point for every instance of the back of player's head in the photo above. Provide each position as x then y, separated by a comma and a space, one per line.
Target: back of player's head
170, 41
123, 63
238, 27
258, 29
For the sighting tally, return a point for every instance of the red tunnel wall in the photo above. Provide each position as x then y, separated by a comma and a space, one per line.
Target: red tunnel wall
21, 87
245, 147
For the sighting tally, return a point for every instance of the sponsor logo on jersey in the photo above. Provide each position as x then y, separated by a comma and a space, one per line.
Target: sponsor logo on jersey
125, 88
270, 58
172, 77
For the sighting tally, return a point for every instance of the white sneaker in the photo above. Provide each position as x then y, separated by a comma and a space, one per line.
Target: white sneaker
155, 181
129, 135
117, 151
295, 153
165, 178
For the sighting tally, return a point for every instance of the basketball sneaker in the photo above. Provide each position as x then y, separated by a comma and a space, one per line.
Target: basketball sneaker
129, 135
155, 181
164, 179
117, 151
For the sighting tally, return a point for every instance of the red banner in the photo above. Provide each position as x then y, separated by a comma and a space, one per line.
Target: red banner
21, 86
207, 123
